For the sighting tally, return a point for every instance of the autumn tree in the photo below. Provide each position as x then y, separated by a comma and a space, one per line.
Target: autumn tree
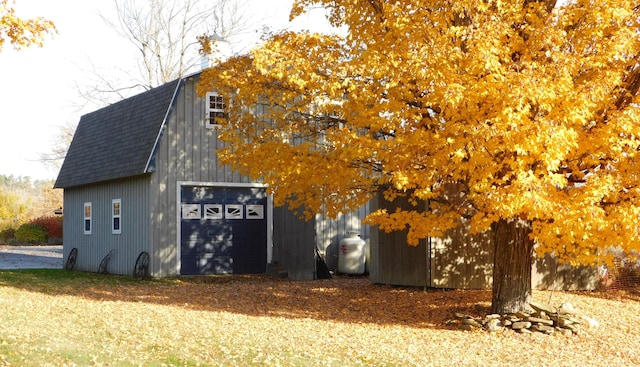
22, 32
22, 199
11, 210
529, 107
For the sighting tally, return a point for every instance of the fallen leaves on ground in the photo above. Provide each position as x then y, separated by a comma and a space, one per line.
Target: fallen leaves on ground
260, 320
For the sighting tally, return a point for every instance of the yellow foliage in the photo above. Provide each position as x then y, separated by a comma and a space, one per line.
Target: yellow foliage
12, 209
531, 108
22, 32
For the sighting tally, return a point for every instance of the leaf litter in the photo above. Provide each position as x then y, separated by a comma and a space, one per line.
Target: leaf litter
260, 320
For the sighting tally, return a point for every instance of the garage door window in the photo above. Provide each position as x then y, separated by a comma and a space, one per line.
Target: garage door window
191, 211
255, 211
212, 211
233, 211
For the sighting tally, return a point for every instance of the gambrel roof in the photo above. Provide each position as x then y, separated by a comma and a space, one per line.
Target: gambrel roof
119, 140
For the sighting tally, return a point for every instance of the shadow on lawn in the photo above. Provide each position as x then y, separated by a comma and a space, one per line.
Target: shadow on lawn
343, 299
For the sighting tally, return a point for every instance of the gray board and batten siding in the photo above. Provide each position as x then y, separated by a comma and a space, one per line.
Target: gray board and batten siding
188, 154
110, 158
457, 260
185, 153
134, 237
295, 240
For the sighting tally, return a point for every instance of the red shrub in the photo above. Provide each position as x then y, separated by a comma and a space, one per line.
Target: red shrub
52, 225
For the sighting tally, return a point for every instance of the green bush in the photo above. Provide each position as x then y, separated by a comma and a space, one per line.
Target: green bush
29, 233
6, 235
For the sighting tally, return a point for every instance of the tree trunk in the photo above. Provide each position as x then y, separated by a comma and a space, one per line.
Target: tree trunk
512, 262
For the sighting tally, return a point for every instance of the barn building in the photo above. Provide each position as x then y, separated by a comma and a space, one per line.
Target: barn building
142, 182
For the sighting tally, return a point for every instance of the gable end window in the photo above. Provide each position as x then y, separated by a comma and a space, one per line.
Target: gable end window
215, 110
116, 216
87, 218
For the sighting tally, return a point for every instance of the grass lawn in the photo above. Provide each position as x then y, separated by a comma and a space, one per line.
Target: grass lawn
62, 318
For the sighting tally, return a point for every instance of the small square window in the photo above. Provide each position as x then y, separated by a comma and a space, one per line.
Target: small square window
215, 110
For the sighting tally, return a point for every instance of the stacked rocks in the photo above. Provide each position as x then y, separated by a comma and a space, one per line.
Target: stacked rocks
541, 318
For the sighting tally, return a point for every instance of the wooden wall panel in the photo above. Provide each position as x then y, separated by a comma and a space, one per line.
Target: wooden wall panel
392, 260
187, 152
293, 244
460, 260
135, 224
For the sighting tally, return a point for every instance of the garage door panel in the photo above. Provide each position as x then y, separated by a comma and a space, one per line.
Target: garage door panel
206, 263
249, 265
224, 231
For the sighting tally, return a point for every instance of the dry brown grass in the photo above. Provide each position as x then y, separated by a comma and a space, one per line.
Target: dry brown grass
60, 318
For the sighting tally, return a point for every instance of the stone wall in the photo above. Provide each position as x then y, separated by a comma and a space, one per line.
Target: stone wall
540, 318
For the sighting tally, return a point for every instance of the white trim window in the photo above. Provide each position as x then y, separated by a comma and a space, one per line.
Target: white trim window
233, 211
255, 211
88, 222
212, 211
191, 211
215, 109
116, 216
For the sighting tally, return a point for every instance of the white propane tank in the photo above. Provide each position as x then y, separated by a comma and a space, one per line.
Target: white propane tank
351, 254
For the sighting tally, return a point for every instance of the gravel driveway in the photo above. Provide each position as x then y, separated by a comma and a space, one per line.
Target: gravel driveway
30, 257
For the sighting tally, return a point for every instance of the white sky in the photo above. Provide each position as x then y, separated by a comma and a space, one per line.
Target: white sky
38, 92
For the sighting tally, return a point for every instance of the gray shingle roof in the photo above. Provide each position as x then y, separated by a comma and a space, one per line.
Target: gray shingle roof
117, 141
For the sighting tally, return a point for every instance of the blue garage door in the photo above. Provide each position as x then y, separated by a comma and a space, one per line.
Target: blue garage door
223, 230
